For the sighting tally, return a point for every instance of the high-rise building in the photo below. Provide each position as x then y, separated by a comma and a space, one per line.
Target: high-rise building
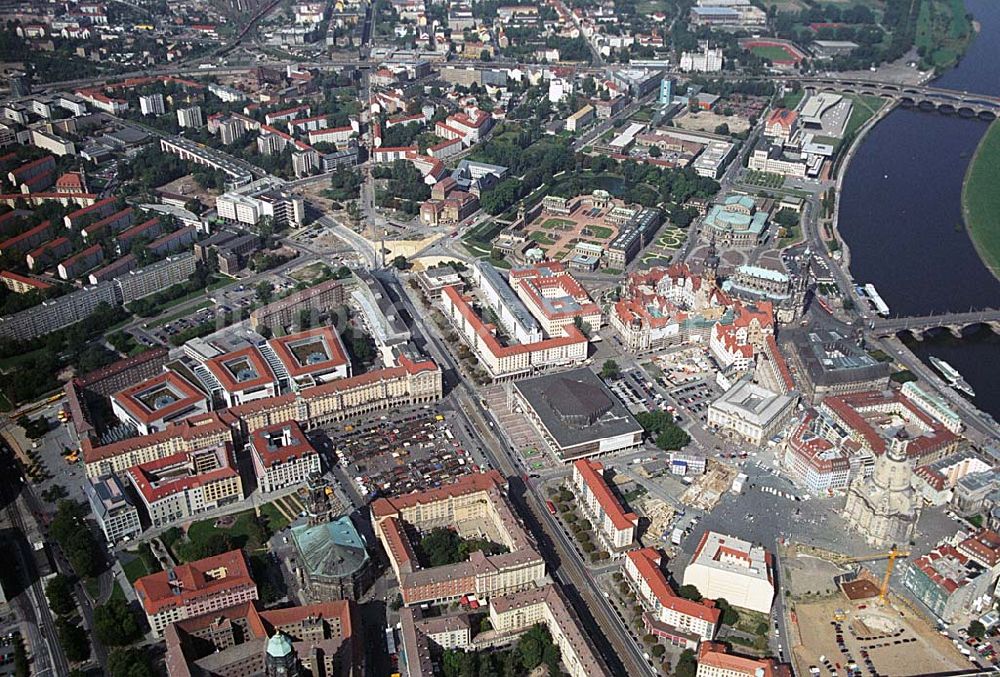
152, 104
20, 84
190, 117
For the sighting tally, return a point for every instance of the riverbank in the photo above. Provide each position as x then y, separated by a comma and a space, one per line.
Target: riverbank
981, 199
859, 137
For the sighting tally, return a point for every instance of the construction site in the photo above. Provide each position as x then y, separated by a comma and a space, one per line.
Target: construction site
843, 615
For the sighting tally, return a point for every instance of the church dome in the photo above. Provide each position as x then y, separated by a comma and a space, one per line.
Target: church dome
279, 646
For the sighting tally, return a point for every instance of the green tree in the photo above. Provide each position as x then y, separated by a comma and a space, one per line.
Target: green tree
654, 151
400, 263
730, 616
265, 291
610, 370
59, 592
73, 640
115, 624
687, 665
672, 439
977, 630
131, 662
21, 665
689, 592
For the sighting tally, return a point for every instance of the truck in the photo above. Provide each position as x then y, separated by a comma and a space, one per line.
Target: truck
676, 536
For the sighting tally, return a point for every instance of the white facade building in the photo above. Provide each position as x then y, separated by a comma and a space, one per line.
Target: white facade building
734, 569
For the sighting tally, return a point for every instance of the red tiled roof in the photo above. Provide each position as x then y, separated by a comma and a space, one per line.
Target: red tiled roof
217, 365
23, 279
143, 475
784, 117
468, 484
298, 445
191, 581
590, 471
335, 354
188, 395
572, 334
716, 655
646, 561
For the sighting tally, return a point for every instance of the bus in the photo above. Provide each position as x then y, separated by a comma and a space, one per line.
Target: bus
390, 641
551, 506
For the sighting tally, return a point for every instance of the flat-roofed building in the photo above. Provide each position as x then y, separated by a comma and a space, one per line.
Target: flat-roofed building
734, 569
201, 587
282, 456
151, 405
243, 376
682, 622
615, 527
575, 413
178, 487
311, 357
433, 280
750, 412
112, 508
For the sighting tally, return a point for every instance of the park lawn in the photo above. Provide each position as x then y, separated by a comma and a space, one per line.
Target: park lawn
275, 520
771, 52
145, 563
791, 100
602, 232
482, 235
15, 361
981, 199
557, 224
864, 108
241, 534
308, 272
541, 238
117, 593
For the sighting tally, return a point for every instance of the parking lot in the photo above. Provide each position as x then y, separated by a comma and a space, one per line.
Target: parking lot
841, 638
407, 452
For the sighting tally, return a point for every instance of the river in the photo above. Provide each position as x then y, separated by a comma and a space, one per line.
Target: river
901, 215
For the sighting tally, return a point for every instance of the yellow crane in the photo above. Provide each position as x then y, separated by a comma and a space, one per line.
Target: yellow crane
893, 554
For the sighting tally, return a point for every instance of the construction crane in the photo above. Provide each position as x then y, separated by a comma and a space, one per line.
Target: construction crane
892, 556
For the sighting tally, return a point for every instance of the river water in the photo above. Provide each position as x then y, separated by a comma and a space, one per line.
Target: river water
901, 215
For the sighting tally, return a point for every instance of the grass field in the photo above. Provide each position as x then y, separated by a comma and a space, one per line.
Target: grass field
771, 53
541, 238
792, 99
763, 179
864, 108
601, 232
145, 563
942, 31
557, 224
243, 534
981, 199
275, 520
